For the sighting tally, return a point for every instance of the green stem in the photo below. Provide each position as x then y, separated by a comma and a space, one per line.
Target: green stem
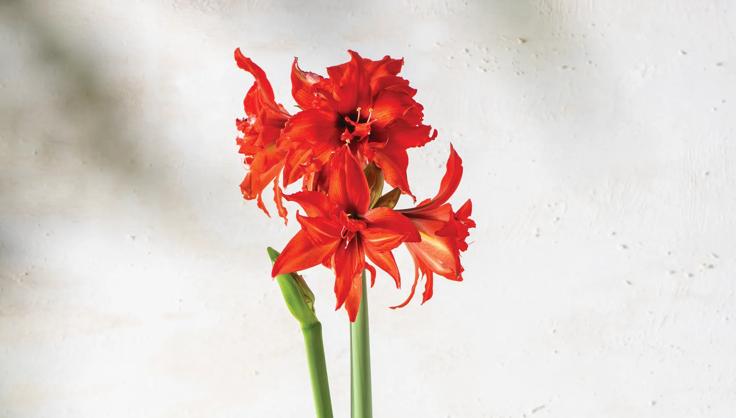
317, 369
300, 301
360, 361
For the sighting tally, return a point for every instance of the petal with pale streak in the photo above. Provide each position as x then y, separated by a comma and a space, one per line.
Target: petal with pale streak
387, 219
321, 230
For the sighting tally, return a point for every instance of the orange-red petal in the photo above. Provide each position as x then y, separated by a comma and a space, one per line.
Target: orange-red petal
301, 253
413, 287
347, 186
278, 196
313, 203
347, 263
318, 128
261, 80
386, 262
450, 181
353, 301
321, 230
386, 229
301, 85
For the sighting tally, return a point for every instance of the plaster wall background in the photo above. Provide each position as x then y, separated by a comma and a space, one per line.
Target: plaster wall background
599, 149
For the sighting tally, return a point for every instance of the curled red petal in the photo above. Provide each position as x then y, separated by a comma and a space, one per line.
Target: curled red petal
259, 202
465, 211
386, 262
372, 271
428, 287
261, 80
261, 172
302, 83
278, 196
413, 289
450, 181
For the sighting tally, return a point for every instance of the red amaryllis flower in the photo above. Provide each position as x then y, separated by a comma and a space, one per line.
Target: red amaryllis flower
362, 103
443, 232
341, 230
261, 129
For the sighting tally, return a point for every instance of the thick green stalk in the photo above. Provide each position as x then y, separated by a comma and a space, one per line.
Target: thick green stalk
300, 301
360, 361
318, 370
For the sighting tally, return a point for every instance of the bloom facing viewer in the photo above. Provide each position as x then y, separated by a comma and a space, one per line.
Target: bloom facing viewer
341, 230
361, 103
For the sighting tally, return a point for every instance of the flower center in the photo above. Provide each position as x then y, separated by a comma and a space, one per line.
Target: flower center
351, 226
355, 130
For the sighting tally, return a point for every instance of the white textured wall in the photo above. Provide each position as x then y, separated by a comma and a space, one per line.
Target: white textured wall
598, 139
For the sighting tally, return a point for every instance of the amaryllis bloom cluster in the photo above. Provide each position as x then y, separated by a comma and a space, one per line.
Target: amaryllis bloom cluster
350, 135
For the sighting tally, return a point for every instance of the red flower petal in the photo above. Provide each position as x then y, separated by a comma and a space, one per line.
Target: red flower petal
350, 84
372, 271
352, 303
435, 253
413, 287
387, 229
318, 128
348, 187
348, 264
301, 253
391, 155
261, 80
393, 162
450, 181
278, 196
428, 287
391, 106
465, 211
264, 168
321, 230
301, 85
314, 203
386, 262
